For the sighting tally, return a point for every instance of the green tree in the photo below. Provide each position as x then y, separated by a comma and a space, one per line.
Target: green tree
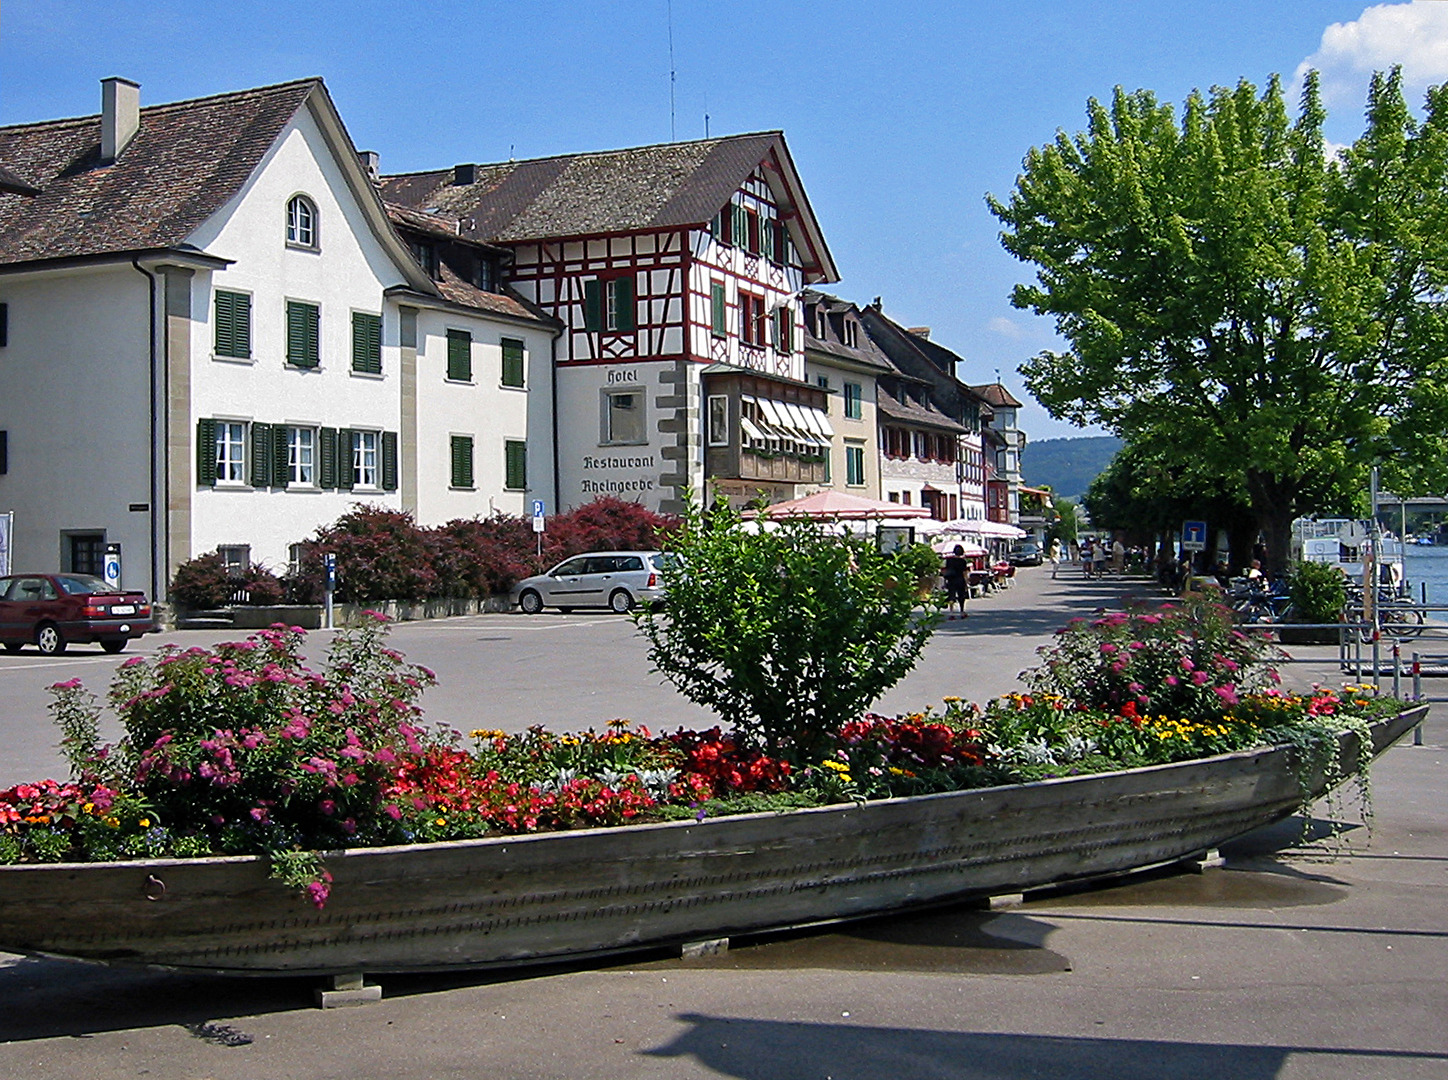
789, 633
1238, 298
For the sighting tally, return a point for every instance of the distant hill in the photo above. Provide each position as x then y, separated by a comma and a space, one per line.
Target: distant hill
1067, 466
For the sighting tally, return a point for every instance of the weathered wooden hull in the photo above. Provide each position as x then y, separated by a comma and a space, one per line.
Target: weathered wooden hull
511, 900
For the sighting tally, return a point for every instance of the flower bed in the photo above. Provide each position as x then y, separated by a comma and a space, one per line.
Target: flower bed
243, 749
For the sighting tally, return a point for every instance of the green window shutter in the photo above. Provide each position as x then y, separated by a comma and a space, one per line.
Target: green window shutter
512, 362
389, 461
766, 237
281, 463
366, 343
303, 334
624, 302
462, 461
459, 355
206, 453
345, 472
260, 455
718, 311
515, 465
741, 226
327, 457
593, 304
233, 324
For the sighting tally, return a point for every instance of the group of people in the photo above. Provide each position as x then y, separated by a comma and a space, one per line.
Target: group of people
1095, 554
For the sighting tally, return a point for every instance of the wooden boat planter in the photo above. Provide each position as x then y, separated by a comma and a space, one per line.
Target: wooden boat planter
516, 899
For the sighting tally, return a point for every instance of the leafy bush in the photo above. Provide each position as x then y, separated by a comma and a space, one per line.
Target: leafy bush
787, 633
1186, 661
1318, 591
381, 555
483, 556
204, 583
606, 524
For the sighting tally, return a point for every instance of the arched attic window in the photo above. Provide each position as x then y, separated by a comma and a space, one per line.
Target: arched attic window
302, 222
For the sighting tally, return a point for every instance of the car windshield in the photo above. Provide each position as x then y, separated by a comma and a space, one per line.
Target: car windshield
76, 584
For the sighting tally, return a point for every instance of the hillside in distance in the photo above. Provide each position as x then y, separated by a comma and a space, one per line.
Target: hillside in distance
1067, 466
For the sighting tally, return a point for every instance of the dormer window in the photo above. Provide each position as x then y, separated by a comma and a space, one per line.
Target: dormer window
302, 222
851, 333
822, 324
485, 274
426, 255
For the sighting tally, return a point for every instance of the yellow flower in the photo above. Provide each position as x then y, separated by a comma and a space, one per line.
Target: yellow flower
440, 821
112, 822
896, 772
144, 823
837, 766
89, 808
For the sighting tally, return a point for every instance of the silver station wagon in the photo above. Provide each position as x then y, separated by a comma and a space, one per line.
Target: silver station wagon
618, 580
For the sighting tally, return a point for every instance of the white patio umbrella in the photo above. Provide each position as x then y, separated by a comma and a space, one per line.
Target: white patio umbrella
993, 530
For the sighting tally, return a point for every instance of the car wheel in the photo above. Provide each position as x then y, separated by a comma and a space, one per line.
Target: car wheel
621, 601
49, 640
530, 602
14, 646
114, 645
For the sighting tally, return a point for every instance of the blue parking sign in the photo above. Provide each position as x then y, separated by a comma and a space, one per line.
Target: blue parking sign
1194, 536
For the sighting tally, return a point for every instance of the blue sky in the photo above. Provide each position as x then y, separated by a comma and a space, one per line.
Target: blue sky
900, 116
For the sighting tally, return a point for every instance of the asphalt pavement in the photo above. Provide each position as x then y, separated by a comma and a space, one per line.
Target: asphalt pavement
1302, 957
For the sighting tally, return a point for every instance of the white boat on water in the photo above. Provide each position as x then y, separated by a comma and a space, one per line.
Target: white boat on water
1346, 543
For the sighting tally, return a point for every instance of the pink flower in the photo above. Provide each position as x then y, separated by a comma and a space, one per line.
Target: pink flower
1172, 680
1228, 694
1200, 677
1187, 664
1108, 648
392, 811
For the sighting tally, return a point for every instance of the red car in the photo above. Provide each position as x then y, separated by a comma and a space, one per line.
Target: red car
53, 610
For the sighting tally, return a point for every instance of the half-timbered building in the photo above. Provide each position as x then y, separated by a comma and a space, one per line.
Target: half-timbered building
675, 271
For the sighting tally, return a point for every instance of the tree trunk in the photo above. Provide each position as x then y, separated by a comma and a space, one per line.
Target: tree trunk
1274, 502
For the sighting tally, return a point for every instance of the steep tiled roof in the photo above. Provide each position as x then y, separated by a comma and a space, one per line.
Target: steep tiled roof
185, 162
663, 186
908, 412
866, 353
12, 184
997, 395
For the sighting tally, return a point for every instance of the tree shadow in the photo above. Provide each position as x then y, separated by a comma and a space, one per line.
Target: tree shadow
752, 1049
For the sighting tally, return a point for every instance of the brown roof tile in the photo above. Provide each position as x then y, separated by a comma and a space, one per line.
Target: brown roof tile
185, 162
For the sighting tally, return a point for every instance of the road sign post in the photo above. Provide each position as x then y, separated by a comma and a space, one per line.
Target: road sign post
539, 521
1194, 536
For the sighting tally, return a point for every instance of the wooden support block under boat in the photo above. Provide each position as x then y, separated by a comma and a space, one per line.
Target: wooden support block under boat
516, 899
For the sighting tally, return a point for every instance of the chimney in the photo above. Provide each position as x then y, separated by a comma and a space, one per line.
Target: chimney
120, 116
921, 332
464, 174
370, 163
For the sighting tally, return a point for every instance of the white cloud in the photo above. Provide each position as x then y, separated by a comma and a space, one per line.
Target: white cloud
1006, 328
1413, 35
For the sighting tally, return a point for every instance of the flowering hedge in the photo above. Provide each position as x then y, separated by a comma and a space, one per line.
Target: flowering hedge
245, 749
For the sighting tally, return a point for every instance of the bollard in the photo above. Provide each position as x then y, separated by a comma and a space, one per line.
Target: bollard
1397, 670
1417, 696
1377, 663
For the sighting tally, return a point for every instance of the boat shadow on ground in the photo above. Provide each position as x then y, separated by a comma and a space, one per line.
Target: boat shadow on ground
48, 998
753, 1049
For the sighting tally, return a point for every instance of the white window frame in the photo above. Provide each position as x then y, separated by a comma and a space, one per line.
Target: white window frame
231, 452
718, 420
302, 222
607, 434
301, 456
366, 474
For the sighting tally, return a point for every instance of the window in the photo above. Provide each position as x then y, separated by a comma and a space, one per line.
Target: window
718, 312
303, 334
296, 553
425, 252
721, 228
851, 333
461, 456
236, 558
751, 319
87, 556
623, 417
230, 452
302, 222
855, 465
366, 343
784, 329
233, 324
364, 460
515, 465
608, 304
4, 325
778, 242
460, 355
512, 362
485, 273
854, 401
301, 457
751, 231
823, 382
718, 420
821, 324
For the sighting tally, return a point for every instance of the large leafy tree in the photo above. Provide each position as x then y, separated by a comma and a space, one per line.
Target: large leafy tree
1237, 297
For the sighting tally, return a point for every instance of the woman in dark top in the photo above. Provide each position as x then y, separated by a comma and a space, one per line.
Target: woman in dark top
956, 572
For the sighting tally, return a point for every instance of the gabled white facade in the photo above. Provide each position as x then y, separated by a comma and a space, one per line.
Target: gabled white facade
128, 420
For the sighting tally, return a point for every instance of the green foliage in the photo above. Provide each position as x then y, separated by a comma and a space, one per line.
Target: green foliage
205, 582
1318, 591
785, 633
1239, 301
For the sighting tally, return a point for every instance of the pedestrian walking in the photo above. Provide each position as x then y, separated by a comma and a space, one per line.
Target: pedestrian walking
956, 572
1098, 558
1055, 557
1086, 555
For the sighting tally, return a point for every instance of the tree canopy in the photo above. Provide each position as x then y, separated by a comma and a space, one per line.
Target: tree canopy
1236, 296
